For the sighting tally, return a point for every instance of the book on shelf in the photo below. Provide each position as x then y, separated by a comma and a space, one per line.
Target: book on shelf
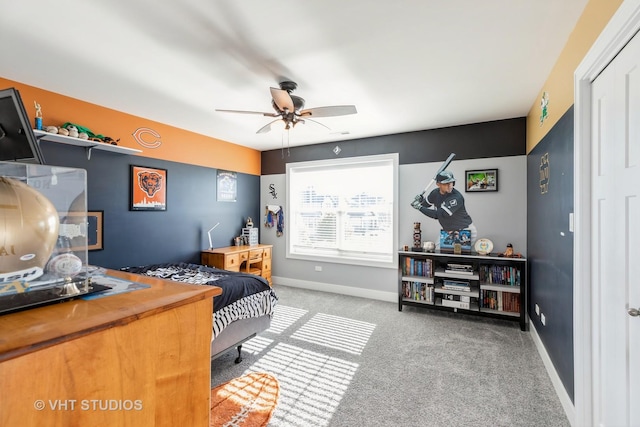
417, 267
417, 291
500, 301
500, 275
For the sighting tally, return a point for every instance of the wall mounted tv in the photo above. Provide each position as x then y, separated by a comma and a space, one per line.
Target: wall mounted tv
18, 143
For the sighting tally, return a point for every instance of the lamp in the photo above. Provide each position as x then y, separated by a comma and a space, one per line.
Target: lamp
209, 234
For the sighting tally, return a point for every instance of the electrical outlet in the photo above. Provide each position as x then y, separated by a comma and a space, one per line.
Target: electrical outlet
543, 319
318, 268
537, 310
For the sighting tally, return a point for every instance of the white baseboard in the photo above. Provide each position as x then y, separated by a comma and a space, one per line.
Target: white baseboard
336, 289
565, 400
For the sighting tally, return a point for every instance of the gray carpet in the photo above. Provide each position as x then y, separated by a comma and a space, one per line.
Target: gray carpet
347, 361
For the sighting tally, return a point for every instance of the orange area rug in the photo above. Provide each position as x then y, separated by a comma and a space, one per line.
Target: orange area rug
247, 401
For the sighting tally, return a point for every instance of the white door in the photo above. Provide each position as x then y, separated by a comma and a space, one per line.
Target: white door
615, 233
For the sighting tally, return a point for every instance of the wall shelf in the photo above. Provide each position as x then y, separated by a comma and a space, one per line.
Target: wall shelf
88, 145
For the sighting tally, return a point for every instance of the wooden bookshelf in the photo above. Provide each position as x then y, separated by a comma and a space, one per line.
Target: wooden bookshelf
497, 285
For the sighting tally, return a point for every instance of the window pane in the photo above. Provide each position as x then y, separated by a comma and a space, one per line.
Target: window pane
344, 209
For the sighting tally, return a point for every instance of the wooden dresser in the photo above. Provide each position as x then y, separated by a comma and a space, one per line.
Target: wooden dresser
254, 259
140, 358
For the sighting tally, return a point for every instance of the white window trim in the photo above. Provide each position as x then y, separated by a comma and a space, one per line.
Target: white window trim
394, 157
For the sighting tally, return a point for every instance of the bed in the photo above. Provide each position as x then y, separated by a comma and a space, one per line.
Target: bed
243, 310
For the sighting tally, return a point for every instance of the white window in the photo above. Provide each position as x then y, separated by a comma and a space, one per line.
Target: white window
343, 210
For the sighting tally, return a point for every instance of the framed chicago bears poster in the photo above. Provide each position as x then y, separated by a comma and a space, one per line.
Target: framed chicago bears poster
148, 189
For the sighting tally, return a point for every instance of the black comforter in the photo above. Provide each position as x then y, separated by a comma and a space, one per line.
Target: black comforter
234, 285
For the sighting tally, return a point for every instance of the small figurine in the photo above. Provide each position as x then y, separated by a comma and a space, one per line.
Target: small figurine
509, 252
429, 246
249, 222
417, 236
38, 115
73, 131
109, 140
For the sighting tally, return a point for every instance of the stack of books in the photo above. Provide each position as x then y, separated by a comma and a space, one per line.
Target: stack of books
453, 285
459, 268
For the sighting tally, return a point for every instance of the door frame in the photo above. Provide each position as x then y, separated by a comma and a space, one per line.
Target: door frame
624, 24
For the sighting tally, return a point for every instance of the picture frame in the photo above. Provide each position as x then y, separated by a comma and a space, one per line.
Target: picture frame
481, 180
148, 189
226, 186
72, 228
95, 230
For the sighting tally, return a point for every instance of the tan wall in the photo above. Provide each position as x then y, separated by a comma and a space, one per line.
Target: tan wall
559, 84
178, 145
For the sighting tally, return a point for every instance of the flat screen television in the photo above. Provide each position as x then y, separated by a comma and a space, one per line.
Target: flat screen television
18, 143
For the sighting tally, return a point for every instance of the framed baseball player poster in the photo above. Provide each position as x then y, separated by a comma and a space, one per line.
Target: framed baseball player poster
148, 189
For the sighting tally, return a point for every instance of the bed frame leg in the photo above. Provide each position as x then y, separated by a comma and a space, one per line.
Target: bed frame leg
239, 358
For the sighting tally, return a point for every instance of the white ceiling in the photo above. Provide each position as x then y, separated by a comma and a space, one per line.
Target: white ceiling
406, 65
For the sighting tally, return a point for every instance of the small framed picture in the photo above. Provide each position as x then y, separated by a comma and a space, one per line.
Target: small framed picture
94, 230
227, 186
148, 189
481, 180
73, 227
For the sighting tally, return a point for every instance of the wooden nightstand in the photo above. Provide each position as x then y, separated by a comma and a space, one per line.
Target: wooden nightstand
254, 259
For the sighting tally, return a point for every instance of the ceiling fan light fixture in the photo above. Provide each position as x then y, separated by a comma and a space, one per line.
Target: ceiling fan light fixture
290, 108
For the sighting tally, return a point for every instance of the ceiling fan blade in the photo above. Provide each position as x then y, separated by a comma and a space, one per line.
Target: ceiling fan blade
317, 122
266, 128
282, 99
332, 111
250, 112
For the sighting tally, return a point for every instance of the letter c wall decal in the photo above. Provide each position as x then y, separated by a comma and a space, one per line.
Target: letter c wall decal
138, 136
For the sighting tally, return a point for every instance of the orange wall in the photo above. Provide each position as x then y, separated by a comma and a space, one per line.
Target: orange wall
177, 145
559, 84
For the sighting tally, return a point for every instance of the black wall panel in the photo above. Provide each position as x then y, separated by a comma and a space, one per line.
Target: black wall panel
480, 140
144, 237
550, 244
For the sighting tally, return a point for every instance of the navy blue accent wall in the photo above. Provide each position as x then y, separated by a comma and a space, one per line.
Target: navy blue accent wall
550, 244
498, 138
175, 235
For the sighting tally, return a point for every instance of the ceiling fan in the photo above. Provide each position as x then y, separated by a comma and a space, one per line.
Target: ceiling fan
290, 108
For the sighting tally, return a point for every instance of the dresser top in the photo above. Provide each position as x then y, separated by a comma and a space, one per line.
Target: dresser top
36, 328
235, 249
